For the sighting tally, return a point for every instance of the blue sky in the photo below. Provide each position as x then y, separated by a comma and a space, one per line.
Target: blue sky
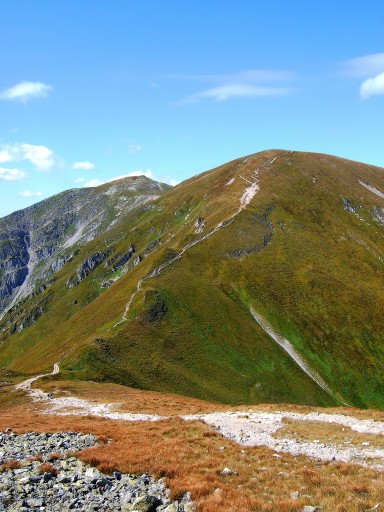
93, 90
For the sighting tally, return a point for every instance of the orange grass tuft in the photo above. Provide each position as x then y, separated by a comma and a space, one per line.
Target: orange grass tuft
55, 456
10, 464
38, 458
47, 468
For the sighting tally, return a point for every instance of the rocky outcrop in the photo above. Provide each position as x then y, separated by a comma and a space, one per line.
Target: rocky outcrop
35, 243
59, 263
122, 261
378, 215
199, 225
11, 280
14, 259
31, 317
86, 268
36, 475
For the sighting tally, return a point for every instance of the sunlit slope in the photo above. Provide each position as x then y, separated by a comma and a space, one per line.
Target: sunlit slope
304, 247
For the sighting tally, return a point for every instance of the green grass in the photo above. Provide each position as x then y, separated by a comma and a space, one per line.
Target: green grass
312, 269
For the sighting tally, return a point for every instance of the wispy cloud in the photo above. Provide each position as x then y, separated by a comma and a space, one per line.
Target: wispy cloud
226, 92
242, 84
24, 91
79, 180
370, 67
11, 174
29, 193
365, 66
87, 166
40, 156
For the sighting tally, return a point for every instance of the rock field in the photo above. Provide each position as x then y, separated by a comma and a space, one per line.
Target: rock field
39, 473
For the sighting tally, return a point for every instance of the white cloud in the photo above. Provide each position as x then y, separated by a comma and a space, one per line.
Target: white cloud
25, 91
135, 148
79, 180
40, 156
225, 92
365, 66
87, 166
372, 86
5, 156
370, 67
11, 174
93, 183
148, 174
174, 182
29, 193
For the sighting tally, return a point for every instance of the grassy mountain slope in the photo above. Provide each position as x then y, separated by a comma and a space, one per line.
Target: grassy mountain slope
306, 253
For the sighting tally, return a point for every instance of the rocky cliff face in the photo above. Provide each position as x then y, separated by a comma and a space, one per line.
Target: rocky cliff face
35, 243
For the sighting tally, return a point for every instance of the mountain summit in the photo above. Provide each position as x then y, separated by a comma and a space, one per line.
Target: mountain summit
261, 280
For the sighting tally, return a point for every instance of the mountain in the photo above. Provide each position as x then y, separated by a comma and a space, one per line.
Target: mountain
36, 242
258, 281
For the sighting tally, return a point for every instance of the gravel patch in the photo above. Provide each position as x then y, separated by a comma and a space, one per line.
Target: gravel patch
65, 406
257, 429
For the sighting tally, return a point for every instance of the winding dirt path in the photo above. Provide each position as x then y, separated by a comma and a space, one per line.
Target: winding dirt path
36, 394
248, 194
247, 428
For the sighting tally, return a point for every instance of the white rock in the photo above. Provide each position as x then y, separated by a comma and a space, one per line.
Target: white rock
227, 471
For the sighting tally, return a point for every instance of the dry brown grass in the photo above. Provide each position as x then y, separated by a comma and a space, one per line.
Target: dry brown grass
38, 458
47, 468
190, 456
130, 399
10, 464
153, 402
55, 456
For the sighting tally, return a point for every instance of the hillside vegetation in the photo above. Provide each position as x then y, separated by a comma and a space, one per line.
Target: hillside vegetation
296, 236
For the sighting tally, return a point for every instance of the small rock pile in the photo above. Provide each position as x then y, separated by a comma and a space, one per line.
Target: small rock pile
34, 478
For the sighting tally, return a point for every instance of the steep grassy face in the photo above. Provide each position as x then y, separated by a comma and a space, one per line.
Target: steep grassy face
296, 236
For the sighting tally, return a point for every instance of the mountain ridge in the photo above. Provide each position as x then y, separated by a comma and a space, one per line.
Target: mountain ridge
305, 252
54, 226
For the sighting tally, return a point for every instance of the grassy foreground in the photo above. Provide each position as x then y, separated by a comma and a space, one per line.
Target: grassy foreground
191, 456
